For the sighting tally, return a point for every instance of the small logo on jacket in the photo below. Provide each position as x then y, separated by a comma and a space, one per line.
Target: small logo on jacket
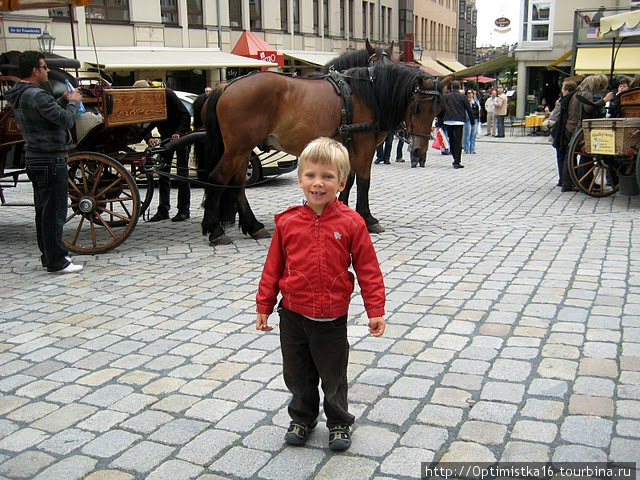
338, 235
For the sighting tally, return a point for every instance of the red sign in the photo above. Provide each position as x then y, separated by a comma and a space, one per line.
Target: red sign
268, 56
502, 22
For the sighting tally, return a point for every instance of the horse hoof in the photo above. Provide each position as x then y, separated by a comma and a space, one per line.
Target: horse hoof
376, 228
262, 233
219, 240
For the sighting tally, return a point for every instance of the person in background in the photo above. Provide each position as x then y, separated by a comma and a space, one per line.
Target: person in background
500, 104
613, 107
457, 110
383, 151
560, 142
177, 124
578, 111
45, 126
550, 121
471, 131
543, 107
312, 248
491, 117
207, 90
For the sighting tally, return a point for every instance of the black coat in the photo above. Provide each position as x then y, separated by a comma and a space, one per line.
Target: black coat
457, 108
178, 117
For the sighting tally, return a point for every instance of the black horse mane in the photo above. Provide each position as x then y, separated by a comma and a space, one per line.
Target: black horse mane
197, 108
355, 58
391, 91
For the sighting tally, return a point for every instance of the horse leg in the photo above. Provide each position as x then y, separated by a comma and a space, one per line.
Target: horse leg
211, 223
247, 220
362, 205
344, 194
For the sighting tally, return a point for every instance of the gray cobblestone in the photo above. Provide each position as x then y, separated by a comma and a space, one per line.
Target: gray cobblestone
293, 464
142, 457
440, 415
392, 410
175, 470
71, 468
110, 444
66, 441
591, 431
102, 421
26, 464
525, 452
502, 391
206, 446
493, 412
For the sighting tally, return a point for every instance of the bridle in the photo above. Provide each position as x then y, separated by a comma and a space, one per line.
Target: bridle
371, 61
421, 95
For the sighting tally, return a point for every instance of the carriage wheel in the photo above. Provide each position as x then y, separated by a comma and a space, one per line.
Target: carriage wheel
104, 203
595, 175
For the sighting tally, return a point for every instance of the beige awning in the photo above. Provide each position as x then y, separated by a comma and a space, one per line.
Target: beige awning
435, 66
628, 20
11, 5
311, 57
162, 58
452, 65
598, 60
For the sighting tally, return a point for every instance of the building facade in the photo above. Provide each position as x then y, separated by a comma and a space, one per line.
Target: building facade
545, 53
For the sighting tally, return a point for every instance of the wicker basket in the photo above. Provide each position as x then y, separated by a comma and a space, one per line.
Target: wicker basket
626, 131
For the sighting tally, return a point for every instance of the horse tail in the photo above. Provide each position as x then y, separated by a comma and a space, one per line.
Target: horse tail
197, 110
214, 146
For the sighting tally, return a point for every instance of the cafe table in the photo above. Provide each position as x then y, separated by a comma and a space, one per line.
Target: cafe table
535, 122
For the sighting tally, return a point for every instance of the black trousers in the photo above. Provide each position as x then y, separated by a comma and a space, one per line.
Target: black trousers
50, 195
314, 351
164, 183
455, 141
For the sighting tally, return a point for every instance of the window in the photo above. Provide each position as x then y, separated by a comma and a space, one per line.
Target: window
389, 16
169, 11
284, 15
194, 13
364, 20
460, 42
350, 18
235, 13
325, 16
111, 10
316, 17
463, 9
371, 22
535, 26
383, 22
255, 14
342, 18
296, 16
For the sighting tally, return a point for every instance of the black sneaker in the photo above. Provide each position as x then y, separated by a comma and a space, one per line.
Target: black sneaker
298, 432
377, 161
339, 438
400, 160
181, 217
158, 217
386, 161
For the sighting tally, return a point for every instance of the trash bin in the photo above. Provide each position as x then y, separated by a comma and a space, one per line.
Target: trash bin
628, 185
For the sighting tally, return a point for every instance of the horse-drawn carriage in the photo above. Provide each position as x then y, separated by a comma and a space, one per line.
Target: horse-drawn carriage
106, 173
604, 154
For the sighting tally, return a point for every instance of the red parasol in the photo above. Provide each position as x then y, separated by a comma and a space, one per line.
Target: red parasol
481, 79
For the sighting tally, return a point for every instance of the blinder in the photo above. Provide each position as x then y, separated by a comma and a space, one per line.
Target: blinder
420, 95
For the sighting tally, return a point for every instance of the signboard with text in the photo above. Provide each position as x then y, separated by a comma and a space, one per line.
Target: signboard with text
25, 30
603, 142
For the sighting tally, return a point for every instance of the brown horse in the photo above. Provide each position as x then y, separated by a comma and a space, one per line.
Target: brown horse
287, 113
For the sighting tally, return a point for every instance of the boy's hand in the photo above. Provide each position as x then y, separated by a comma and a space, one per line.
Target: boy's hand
376, 326
261, 323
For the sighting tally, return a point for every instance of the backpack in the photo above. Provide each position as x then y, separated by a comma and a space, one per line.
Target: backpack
557, 132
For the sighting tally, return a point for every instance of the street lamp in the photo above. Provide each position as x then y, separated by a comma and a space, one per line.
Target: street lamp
417, 52
46, 42
350, 48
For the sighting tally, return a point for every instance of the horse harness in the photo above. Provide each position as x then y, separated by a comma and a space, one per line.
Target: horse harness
347, 128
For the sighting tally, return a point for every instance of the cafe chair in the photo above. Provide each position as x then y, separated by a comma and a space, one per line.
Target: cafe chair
516, 122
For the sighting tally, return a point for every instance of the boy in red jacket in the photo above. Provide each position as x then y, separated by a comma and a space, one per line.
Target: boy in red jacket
308, 263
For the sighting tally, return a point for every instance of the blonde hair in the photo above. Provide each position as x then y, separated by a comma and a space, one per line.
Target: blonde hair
594, 83
141, 84
326, 151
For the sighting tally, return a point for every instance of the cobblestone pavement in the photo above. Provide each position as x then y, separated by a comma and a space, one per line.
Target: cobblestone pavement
513, 334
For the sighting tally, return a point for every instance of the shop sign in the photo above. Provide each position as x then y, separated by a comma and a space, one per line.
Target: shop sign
502, 22
268, 57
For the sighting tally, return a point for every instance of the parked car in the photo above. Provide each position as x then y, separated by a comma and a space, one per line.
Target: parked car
261, 164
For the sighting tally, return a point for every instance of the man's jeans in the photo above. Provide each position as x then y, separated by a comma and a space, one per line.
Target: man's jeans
500, 125
50, 194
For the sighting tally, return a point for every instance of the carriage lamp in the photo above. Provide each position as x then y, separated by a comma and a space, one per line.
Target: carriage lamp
46, 42
350, 48
417, 52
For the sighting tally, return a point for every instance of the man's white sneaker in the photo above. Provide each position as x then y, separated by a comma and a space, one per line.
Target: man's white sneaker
71, 268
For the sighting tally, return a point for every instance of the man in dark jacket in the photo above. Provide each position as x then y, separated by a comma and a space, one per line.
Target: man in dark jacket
177, 124
45, 126
457, 109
